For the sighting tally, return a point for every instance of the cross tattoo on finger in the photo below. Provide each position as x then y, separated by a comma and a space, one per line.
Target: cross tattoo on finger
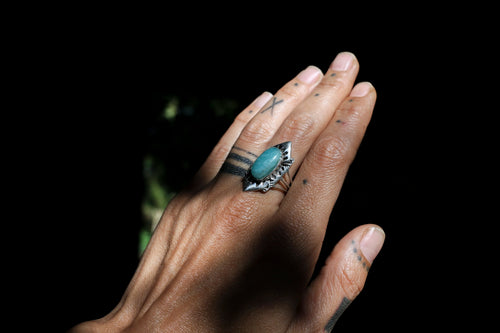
271, 107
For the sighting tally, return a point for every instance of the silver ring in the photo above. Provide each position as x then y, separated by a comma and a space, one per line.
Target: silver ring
270, 169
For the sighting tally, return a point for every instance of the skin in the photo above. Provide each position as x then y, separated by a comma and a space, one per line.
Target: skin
224, 260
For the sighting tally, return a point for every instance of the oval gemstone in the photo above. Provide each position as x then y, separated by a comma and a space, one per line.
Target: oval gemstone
266, 163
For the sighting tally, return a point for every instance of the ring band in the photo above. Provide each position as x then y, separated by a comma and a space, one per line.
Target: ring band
270, 169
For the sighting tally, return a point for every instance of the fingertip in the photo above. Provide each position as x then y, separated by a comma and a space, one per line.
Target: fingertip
343, 61
262, 99
371, 242
310, 75
362, 89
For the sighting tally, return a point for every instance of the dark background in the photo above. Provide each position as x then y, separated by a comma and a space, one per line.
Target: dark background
106, 92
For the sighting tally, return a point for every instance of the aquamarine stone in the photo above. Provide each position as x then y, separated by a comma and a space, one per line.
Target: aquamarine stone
266, 163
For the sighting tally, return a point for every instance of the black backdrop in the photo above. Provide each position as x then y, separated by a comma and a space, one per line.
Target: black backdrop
111, 89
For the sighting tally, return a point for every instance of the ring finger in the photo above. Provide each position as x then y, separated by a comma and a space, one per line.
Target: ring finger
255, 136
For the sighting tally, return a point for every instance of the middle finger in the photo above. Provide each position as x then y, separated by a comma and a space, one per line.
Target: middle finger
308, 120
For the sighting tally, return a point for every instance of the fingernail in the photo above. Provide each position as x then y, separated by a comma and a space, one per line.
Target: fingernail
361, 89
371, 243
262, 99
309, 75
342, 62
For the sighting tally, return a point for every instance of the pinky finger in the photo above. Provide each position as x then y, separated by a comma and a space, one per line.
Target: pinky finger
218, 155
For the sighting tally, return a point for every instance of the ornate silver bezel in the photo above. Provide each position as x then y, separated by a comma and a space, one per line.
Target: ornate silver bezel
265, 184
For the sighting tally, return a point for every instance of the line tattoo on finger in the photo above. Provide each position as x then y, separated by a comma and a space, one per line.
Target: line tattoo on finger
245, 151
271, 107
333, 320
238, 162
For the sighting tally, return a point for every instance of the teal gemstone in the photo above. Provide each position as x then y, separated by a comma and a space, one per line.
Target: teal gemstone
266, 163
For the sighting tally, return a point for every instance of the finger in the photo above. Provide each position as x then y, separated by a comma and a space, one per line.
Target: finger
214, 161
255, 136
306, 122
310, 200
340, 281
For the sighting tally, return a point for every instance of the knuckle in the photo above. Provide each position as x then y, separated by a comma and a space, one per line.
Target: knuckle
287, 92
290, 92
298, 129
236, 214
353, 109
220, 152
339, 82
350, 281
333, 151
331, 86
256, 133
241, 119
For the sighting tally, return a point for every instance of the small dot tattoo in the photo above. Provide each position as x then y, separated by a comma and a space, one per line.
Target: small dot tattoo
316, 94
333, 74
359, 256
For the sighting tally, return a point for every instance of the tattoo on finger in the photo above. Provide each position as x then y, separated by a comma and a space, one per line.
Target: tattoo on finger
238, 162
345, 301
333, 320
271, 107
359, 256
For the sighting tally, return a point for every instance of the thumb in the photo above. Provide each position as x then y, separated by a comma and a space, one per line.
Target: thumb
340, 281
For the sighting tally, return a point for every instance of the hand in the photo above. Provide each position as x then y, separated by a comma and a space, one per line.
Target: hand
225, 260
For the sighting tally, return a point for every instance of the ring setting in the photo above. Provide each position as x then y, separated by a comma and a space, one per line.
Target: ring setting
270, 169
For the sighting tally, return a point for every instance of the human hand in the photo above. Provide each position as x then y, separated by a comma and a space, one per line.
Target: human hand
222, 259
